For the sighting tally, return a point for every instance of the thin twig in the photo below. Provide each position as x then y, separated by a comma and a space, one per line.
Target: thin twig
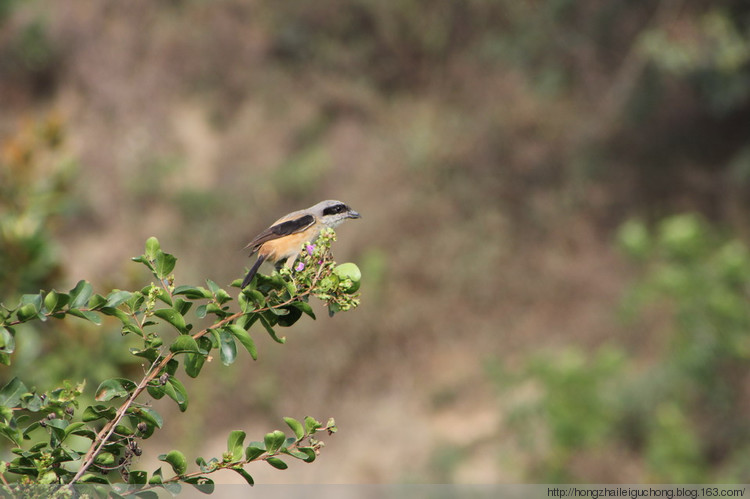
225, 466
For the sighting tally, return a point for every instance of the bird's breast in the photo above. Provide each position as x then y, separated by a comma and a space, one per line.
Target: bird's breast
287, 246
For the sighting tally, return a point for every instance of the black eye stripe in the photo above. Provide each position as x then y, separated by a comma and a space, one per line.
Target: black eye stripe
335, 209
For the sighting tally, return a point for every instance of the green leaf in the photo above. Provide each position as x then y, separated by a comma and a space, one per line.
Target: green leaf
96, 302
205, 345
173, 317
128, 325
31, 402
247, 320
152, 248
135, 301
27, 312
234, 444
61, 455
277, 463
291, 288
296, 427
200, 312
93, 478
270, 331
164, 264
73, 427
163, 296
256, 297
213, 286
254, 450
184, 343
274, 441
222, 297
116, 298
51, 301
6, 414
39, 446
13, 434
57, 426
201, 464
244, 304
79, 295
227, 348
293, 314
171, 367
178, 394
85, 432
105, 459
193, 292
331, 426
137, 477
158, 391
113, 388
7, 341
278, 311
304, 307
33, 299
194, 363
87, 315
147, 414
150, 354
308, 452
92, 413
244, 338
213, 338
213, 308
202, 484
156, 477
10, 394
182, 306
219, 294
312, 425
297, 455
122, 429
244, 474
177, 460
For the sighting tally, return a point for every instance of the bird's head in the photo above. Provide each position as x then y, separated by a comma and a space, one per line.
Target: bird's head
331, 213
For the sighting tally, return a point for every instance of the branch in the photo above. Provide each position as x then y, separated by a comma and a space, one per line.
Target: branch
106, 432
103, 436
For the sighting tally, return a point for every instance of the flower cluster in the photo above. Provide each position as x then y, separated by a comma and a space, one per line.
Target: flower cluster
316, 271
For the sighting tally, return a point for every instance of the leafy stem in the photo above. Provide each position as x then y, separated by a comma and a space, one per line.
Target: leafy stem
276, 300
106, 432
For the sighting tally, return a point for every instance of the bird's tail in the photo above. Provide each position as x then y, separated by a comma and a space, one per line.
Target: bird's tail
254, 270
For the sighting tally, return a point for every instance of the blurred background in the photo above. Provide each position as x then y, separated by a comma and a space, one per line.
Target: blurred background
555, 202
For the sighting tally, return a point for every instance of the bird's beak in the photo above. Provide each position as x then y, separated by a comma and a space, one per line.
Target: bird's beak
353, 214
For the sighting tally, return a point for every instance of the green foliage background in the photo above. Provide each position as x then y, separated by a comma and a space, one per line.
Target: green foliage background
554, 234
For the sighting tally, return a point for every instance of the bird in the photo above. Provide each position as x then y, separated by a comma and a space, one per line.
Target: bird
284, 238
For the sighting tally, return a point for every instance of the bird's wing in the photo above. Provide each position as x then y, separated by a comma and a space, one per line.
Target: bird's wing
280, 230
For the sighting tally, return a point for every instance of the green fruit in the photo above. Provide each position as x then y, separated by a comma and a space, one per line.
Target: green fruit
349, 271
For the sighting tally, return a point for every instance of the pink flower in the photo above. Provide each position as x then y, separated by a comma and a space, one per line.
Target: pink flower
299, 266
310, 248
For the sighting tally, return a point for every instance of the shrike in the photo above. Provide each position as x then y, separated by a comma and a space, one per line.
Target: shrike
284, 238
